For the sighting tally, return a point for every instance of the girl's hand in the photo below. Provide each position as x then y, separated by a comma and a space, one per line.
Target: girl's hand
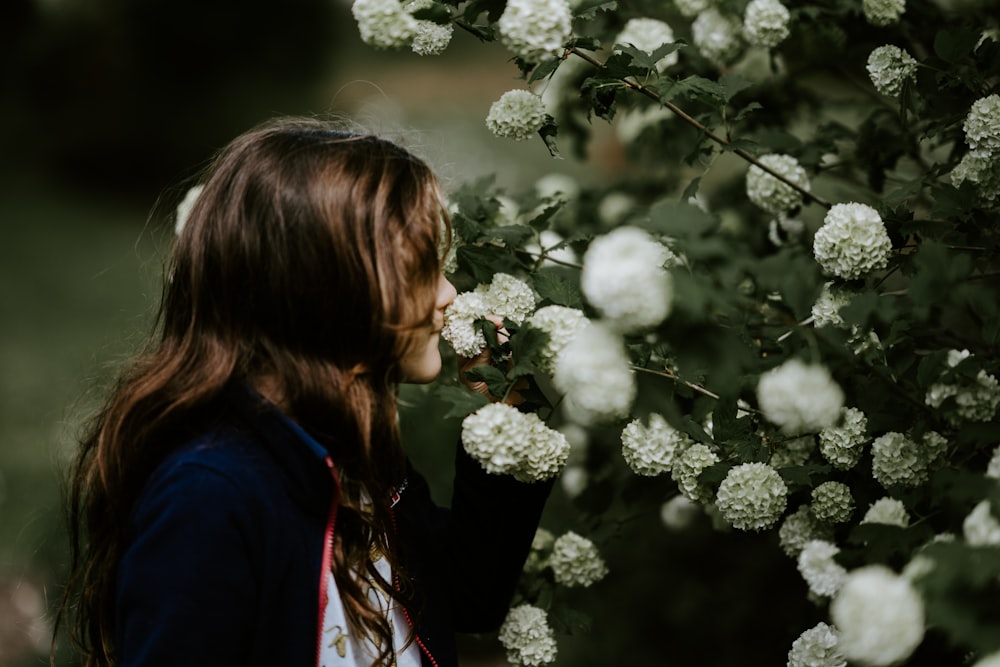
466, 364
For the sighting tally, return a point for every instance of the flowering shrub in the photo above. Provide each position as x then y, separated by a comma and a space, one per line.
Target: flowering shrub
783, 318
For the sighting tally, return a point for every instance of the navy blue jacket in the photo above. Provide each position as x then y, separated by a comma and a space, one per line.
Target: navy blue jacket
226, 546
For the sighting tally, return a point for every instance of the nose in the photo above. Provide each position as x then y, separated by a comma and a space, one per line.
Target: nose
446, 293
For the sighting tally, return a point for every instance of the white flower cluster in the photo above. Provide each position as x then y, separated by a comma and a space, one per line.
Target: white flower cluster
541, 546
832, 502
793, 452
688, 466
679, 512
576, 561
184, 208
506, 297
535, 29
826, 310
648, 35
527, 636
752, 496
821, 572
771, 194
517, 115
690, 8
561, 323
887, 511
991, 660
429, 38
976, 401
506, 441
852, 242
594, 373
799, 528
873, 604
993, 467
624, 278
817, 647
883, 12
651, 450
799, 398
982, 125
983, 171
980, 527
718, 36
889, 67
898, 460
384, 24
842, 444
765, 23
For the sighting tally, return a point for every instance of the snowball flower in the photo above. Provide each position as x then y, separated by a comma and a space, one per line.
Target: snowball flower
873, 605
679, 512
688, 466
651, 450
574, 480
897, 460
799, 528
974, 400
852, 242
752, 496
771, 194
594, 373
821, 572
527, 636
184, 208
826, 310
982, 125
535, 29
799, 398
576, 561
624, 278
993, 467
883, 12
459, 319
506, 441
832, 502
718, 36
981, 528
816, 647
765, 23
842, 444
980, 169
384, 24
517, 115
647, 35
888, 511
430, 38
508, 298
889, 67
691, 8
561, 323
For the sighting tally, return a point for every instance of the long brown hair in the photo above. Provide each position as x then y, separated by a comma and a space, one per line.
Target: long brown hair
306, 264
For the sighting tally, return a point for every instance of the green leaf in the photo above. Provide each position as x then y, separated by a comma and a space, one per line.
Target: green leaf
482, 262
588, 9
569, 621
601, 96
548, 132
585, 43
482, 32
544, 69
955, 45
553, 285
691, 190
679, 219
494, 378
732, 84
463, 401
802, 476
435, 12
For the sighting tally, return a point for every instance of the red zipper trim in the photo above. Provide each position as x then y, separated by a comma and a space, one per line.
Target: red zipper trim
324, 591
395, 582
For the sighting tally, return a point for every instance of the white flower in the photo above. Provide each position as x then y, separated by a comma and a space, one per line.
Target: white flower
576, 561
873, 605
688, 466
883, 12
793, 452
826, 310
842, 444
561, 323
593, 372
517, 115
459, 317
614, 207
557, 185
897, 460
980, 169
647, 35
431, 38
506, 441
935, 446
679, 512
718, 37
384, 24
624, 278
771, 194
799, 398
541, 545
651, 450
889, 67
980, 527
991, 660
184, 208
974, 401
982, 125
574, 480
508, 298
535, 29
816, 647
526, 635
799, 528
888, 511
691, 8
765, 23
993, 467
832, 502
752, 496
852, 242
821, 572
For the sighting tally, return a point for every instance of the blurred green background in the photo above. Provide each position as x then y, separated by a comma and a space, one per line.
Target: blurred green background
106, 107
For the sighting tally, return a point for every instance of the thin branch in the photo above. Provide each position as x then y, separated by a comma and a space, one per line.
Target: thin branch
667, 373
722, 141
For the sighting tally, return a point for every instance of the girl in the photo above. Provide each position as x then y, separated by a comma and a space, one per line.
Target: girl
243, 497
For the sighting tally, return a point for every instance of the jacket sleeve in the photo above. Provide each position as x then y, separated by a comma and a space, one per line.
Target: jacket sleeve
186, 583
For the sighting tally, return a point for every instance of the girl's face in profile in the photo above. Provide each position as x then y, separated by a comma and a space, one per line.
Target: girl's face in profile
422, 363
